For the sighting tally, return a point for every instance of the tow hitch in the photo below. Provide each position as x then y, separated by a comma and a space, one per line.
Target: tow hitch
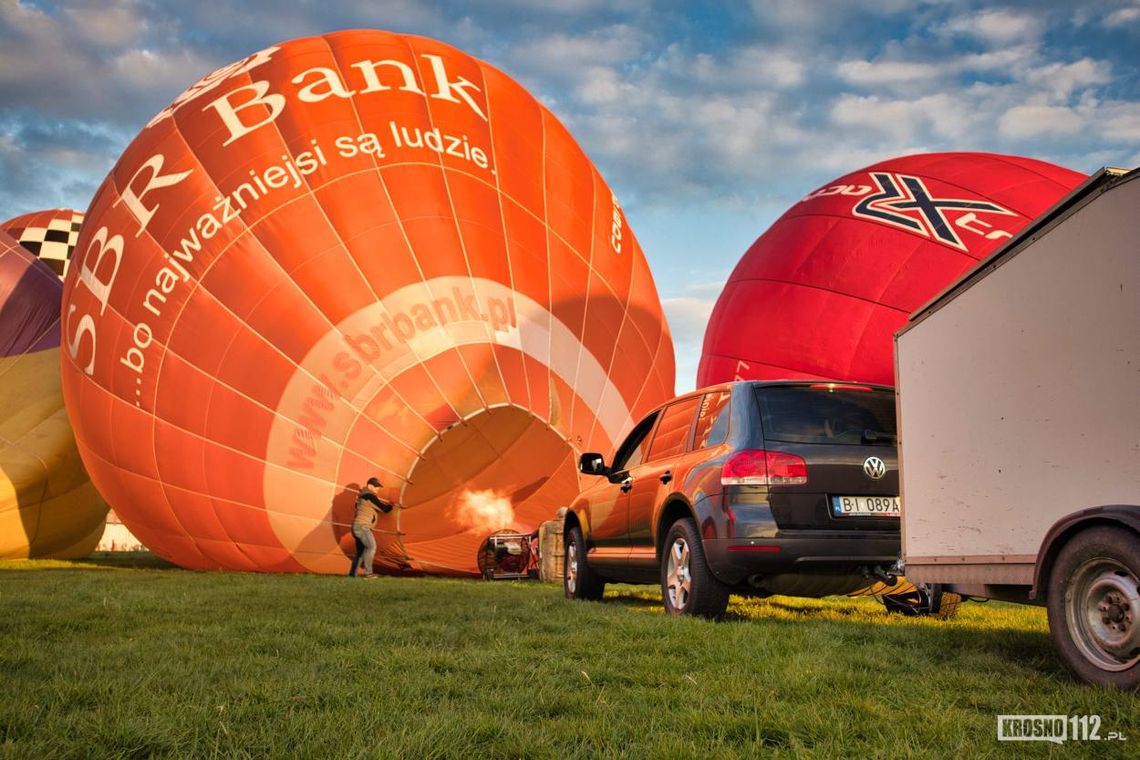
877, 573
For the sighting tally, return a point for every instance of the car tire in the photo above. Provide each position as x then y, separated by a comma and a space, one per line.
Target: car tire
688, 587
1094, 606
578, 580
924, 601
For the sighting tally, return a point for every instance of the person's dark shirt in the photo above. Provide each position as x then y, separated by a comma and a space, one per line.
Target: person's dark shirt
367, 505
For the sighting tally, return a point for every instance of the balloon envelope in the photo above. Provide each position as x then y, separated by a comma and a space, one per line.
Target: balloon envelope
363, 254
49, 235
48, 507
821, 293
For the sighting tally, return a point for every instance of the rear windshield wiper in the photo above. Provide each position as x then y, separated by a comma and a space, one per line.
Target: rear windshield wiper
876, 436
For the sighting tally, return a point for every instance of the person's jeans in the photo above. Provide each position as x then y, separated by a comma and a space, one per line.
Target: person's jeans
365, 549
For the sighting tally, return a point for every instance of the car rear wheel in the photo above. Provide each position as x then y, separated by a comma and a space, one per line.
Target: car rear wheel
688, 587
578, 580
1094, 606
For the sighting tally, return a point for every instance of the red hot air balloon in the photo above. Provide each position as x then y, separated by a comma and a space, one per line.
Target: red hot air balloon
821, 293
50, 235
344, 256
48, 507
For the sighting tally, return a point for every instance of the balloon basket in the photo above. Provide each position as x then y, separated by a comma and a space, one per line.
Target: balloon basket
551, 549
509, 556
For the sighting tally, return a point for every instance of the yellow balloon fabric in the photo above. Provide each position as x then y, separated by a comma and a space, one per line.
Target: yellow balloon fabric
48, 505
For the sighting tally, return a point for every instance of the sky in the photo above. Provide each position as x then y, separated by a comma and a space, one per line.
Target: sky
707, 119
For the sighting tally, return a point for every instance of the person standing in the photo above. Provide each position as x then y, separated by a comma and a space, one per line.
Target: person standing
368, 505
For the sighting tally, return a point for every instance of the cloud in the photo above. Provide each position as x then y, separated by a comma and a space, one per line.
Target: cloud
795, 17
1120, 123
567, 7
942, 116
600, 85
1122, 17
1061, 80
50, 164
688, 317
563, 55
1009, 62
753, 66
999, 26
782, 68
665, 120
888, 72
109, 25
161, 72
1039, 121
91, 62
791, 13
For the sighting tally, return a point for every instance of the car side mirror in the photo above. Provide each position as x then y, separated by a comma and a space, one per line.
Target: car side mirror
592, 463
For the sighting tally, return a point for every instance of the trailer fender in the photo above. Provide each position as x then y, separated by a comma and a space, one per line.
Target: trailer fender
1124, 515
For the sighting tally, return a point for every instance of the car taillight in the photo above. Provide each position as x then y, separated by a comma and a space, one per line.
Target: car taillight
786, 469
764, 468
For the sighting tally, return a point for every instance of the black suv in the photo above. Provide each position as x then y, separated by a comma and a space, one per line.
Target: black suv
754, 488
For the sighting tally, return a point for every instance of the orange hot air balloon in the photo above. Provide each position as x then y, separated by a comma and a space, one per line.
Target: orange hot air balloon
344, 256
50, 235
48, 506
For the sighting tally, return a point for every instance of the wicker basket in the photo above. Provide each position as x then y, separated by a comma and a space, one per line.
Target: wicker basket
551, 551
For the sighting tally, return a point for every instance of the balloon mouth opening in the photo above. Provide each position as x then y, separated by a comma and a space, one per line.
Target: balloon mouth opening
500, 469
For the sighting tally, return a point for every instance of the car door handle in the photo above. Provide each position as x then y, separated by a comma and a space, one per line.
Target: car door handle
626, 485
666, 477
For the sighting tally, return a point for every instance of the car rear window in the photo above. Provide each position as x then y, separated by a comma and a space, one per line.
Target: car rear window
712, 420
802, 414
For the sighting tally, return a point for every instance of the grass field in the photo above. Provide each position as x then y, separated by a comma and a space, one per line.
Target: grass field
132, 658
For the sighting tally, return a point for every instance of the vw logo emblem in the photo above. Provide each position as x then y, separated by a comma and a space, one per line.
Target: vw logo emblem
874, 468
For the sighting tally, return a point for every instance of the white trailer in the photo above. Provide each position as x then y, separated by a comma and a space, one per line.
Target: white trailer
1019, 429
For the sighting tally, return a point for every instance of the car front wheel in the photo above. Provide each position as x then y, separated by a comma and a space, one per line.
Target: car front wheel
688, 587
578, 580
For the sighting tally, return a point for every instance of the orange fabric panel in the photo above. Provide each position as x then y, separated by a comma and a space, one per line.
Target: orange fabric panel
392, 412
513, 368
182, 460
518, 143
480, 361
570, 188
569, 280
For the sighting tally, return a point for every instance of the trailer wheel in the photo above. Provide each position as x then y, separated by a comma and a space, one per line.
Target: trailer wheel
1094, 606
925, 600
578, 580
